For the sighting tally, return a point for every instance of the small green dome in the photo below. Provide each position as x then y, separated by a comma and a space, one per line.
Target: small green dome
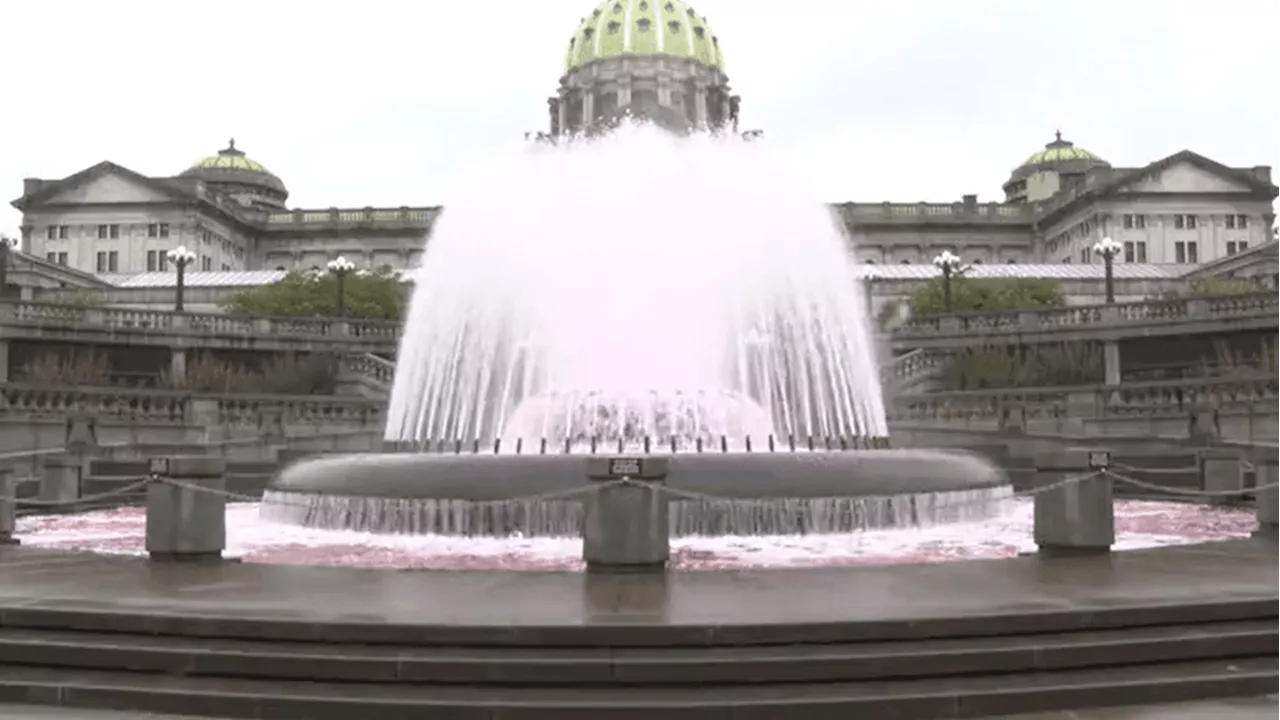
643, 27
1061, 151
232, 166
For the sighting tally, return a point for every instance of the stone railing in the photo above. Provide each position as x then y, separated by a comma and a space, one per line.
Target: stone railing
403, 216
859, 213
906, 370
1212, 309
202, 324
184, 408
372, 367
1093, 401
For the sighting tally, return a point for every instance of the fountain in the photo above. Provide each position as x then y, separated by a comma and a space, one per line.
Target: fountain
637, 293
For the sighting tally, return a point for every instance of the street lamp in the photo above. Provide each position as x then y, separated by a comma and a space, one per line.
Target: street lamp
1108, 249
181, 257
6, 244
951, 266
340, 267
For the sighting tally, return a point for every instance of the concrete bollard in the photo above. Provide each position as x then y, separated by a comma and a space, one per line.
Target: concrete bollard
1077, 518
61, 481
626, 527
1268, 499
8, 506
186, 524
1222, 472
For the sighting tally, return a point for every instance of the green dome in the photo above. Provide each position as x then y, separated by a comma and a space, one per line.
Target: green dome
232, 166
643, 27
1061, 151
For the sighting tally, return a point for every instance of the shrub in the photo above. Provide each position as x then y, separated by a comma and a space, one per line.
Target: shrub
377, 295
1035, 366
987, 295
314, 374
78, 367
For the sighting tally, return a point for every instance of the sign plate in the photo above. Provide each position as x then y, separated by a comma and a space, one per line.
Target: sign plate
158, 466
624, 467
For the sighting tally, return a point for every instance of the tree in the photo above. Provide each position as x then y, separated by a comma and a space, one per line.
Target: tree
377, 295
986, 295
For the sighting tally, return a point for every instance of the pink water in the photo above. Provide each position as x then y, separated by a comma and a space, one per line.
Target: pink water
1138, 524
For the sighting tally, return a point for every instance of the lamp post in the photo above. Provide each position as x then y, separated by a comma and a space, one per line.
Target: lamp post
181, 257
341, 267
6, 244
951, 266
1108, 249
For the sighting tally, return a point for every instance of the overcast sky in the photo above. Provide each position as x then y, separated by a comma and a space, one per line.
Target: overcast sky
382, 103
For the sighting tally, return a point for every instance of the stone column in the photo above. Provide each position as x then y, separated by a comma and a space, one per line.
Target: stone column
8, 505
4, 361
203, 414
626, 527
178, 366
61, 481
1264, 463
624, 93
700, 107
588, 107
1111, 362
1222, 471
562, 114
1077, 518
187, 519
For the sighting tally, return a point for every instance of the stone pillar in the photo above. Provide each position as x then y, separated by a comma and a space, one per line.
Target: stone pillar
626, 527
1267, 498
8, 506
624, 93
588, 107
178, 366
61, 481
4, 361
562, 114
1222, 471
187, 521
204, 414
1111, 362
1013, 418
1077, 518
271, 424
700, 107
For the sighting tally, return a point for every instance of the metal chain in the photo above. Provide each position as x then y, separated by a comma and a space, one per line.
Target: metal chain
131, 487
1188, 491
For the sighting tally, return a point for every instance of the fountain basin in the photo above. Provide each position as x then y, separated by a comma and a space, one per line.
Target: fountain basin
735, 493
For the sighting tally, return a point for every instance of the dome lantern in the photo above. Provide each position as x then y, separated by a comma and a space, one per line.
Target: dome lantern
235, 173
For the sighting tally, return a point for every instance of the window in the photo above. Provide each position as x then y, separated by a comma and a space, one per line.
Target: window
226, 267
62, 258
113, 261
1135, 252
1193, 256
164, 229
51, 257
62, 232
1185, 252
153, 261
53, 232
102, 261
1084, 256
1135, 222
1231, 225
1128, 252
113, 231
102, 232
1231, 245
153, 230
162, 262
1242, 246
1142, 251
206, 264
1242, 222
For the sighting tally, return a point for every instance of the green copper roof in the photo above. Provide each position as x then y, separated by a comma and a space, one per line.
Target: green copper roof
1060, 151
643, 27
230, 159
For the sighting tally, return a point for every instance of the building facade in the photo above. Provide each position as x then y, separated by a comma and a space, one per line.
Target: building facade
660, 60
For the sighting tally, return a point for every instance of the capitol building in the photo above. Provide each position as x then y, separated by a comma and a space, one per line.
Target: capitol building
661, 60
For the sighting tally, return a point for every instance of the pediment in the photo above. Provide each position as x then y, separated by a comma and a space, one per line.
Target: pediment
1184, 177
110, 188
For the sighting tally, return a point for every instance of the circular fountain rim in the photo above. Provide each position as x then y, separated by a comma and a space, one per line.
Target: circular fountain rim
730, 475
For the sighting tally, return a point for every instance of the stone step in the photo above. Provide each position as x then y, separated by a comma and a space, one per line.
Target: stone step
812, 662
959, 697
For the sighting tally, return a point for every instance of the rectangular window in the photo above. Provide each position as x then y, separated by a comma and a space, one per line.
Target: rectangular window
1178, 223
102, 232
53, 232
1242, 245
1180, 252
1140, 221
225, 267
1128, 222
113, 231
1128, 252
1231, 245
1142, 251
1242, 222
153, 230
164, 229
1231, 222
206, 264
102, 262
1191, 222
153, 263
62, 232
163, 261
113, 261
1193, 255
51, 257
62, 258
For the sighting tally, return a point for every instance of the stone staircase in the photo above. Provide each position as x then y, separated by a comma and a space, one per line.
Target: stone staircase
367, 375
968, 667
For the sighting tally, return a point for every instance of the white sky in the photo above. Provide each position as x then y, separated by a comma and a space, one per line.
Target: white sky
382, 102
